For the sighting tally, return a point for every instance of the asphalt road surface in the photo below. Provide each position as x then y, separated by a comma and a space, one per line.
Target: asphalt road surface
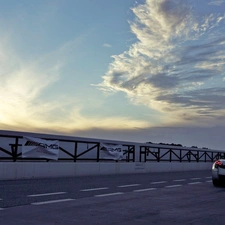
154, 198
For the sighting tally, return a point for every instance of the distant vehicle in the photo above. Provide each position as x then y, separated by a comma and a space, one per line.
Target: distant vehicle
218, 172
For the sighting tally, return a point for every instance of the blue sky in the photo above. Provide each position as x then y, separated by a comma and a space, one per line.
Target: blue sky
125, 70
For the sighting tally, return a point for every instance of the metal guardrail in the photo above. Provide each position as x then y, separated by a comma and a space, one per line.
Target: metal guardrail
170, 154
77, 150
70, 150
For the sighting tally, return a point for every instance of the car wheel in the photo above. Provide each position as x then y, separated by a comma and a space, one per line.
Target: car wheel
216, 183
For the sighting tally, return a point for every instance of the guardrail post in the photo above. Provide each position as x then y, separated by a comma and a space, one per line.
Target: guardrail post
180, 155
197, 156
15, 149
98, 152
140, 154
75, 152
158, 155
145, 154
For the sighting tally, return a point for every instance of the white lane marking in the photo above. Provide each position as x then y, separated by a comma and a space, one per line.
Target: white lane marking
109, 194
1, 199
195, 183
45, 194
146, 189
95, 189
180, 180
52, 201
209, 181
173, 186
208, 177
128, 185
159, 182
1, 209
196, 178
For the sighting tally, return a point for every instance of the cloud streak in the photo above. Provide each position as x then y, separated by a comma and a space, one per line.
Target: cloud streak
107, 45
177, 64
216, 2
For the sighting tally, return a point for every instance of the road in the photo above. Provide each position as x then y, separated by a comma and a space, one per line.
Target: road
155, 198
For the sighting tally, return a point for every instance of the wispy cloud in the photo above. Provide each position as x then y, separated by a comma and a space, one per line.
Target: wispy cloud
216, 2
25, 104
176, 65
107, 45
22, 83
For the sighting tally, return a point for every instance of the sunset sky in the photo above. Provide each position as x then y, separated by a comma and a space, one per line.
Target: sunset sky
134, 70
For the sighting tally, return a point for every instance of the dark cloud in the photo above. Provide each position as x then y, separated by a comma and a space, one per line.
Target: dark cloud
163, 81
116, 78
205, 51
211, 99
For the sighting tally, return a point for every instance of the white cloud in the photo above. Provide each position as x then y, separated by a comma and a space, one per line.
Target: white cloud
107, 45
175, 49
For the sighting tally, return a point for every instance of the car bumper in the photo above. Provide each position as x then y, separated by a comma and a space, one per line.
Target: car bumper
218, 173
215, 174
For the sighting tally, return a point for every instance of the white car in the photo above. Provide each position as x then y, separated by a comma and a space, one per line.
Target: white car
218, 172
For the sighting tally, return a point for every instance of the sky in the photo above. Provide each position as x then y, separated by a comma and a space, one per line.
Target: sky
132, 70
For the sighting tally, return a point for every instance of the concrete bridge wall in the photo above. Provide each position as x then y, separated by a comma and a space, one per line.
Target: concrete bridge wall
29, 170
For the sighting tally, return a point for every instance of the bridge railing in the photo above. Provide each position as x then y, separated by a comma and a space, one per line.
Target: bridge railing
75, 150
176, 154
69, 150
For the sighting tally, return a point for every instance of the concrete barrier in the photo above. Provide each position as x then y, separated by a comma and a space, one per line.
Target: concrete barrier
29, 170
